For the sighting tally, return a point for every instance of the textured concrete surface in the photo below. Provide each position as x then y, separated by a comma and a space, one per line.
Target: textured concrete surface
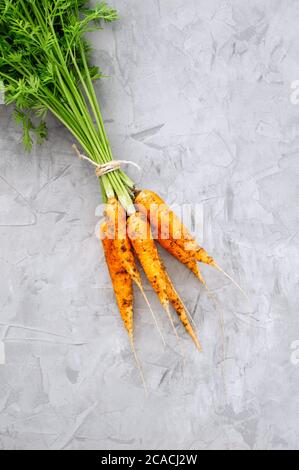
199, 96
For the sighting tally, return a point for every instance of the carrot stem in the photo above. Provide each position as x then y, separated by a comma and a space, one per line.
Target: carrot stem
152, 313
215, 265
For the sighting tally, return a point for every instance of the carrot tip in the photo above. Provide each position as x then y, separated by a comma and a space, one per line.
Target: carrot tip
139, 367
215, 265
192, 333
152, 313
167, 310
201, 280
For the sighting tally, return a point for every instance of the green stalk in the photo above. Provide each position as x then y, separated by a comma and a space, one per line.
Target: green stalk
98, 115
49, 33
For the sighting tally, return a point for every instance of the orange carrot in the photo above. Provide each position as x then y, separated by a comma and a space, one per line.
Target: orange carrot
116, 219
121, 281
183, 257
169, 226
117, 227
123, 289
139, 232
146, 250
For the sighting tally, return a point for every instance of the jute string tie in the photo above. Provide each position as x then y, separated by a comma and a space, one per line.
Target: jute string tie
105, 168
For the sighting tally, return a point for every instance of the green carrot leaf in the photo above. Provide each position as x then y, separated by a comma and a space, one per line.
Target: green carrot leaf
45, 66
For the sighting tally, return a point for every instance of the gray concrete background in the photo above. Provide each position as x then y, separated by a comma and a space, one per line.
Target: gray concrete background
199, 96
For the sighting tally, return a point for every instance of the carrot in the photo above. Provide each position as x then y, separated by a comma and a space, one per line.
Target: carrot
141, 238
146, 250
117, 228
123, 289
169, 227
180, 309
183, 257
121, 281
116, 219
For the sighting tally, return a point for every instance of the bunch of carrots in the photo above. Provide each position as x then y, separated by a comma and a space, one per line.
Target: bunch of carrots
123, 238
45, 67
126, 238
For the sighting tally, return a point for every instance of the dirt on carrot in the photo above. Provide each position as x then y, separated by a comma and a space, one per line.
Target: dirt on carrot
123, 289
183, 257
117, 228
140, 235
169, 226
121, 280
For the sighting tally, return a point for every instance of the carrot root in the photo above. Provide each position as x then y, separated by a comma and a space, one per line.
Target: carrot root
215, 265
181, 310
153, 314
190, 330
194, 335
167, 310
200, 278
138, 364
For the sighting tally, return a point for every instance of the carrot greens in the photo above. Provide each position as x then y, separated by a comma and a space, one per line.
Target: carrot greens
45, 66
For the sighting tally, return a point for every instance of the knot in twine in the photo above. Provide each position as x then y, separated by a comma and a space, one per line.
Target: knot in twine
105, 168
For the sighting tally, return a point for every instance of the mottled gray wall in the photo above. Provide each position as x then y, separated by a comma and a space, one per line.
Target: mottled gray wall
199, 96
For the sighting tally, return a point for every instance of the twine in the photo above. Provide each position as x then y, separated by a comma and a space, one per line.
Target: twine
105, 168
